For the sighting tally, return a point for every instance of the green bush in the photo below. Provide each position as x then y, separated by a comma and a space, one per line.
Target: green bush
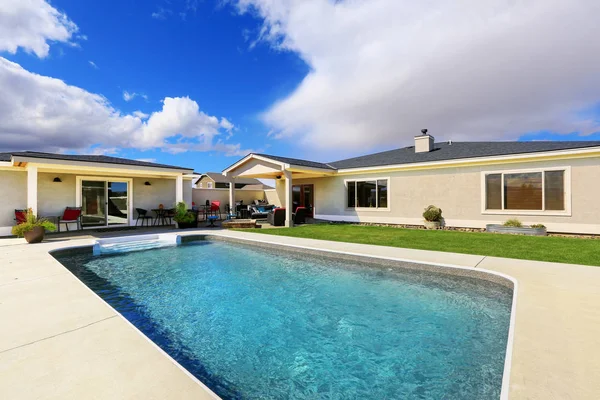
538, 226
515, 223
432, 214
182, 215
32, 221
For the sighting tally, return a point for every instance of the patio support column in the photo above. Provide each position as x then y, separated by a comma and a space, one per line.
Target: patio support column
232, 209
179, 189
32, 189
288, 199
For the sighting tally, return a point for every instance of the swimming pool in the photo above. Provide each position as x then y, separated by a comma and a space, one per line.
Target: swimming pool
253, 322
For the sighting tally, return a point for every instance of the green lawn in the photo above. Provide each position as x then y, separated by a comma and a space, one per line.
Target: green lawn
554, 249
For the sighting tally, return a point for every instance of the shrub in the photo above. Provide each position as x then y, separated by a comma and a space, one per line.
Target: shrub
182, 215
32, 221
515, 223
538, 226
432, 214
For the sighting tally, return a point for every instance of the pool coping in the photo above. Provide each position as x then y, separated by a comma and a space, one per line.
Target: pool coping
543, 369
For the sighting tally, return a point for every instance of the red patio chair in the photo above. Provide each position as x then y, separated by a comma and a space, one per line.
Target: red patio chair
215, 206
20, 216
72, 215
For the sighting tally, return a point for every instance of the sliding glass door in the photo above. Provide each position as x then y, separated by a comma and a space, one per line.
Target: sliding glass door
104, 203
117, 203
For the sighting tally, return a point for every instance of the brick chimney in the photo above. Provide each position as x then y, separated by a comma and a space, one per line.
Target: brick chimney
424, 142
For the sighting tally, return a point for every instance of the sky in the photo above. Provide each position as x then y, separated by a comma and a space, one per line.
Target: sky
201, 83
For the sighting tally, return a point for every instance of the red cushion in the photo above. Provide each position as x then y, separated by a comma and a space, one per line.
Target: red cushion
20, 216
71, 215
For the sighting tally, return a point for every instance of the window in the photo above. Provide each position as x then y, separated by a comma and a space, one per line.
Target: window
200, 185
367, 194
525, 191
209, 185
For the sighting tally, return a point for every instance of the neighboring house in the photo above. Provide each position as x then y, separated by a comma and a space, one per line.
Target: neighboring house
107, 188
475, 183
216, 180
214, 186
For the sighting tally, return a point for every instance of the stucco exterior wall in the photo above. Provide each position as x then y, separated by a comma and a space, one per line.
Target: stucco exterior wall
12, 196
53, 197
160, 191
201, 195
458, 192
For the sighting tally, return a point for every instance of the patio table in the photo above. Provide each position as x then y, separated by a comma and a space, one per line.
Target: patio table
160, 216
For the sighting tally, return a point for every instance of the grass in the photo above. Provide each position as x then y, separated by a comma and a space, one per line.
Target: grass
553, 249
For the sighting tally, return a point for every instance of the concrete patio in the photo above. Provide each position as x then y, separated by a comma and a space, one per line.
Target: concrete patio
61, 341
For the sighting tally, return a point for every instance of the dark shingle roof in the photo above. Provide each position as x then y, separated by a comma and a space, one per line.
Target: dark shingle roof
86, 158
296, 161
457, 150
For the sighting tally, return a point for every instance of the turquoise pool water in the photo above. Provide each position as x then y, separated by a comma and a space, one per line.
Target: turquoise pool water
254, 323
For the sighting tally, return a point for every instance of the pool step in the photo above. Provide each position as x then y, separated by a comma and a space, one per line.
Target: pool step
135, 243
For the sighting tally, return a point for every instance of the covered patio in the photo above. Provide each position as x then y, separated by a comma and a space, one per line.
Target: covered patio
108, 190
283, 170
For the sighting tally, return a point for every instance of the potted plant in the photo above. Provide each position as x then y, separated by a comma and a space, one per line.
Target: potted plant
34, 228
433, 217
185, 218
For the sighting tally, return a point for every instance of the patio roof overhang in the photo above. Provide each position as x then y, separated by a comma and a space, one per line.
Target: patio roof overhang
257, 166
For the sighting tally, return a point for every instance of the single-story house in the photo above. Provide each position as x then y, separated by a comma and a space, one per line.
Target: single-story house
214, 186
474, 183
108, 189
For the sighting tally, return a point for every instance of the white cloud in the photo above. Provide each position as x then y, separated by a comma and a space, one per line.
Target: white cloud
140, 115
31, 25
93, 64
128, 96
42, 113
467, 70
151, 160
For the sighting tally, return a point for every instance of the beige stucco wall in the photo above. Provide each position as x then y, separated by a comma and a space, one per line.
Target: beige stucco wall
53, 197
12, 196
160, 191
201, 195
458, 192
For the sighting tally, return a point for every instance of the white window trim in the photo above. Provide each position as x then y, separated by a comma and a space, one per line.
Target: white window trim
209, 185
200, 185
566, 212
363, 179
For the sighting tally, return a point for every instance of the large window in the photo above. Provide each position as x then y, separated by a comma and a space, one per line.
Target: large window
367, 193
526, 190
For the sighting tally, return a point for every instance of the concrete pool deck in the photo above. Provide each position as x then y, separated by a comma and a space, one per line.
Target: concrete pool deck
60, 340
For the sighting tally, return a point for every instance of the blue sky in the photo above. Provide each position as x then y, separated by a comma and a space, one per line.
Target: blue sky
301, 79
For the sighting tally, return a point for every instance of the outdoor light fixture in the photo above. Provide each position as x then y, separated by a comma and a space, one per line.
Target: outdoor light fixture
147, 183
57, 179
278, 177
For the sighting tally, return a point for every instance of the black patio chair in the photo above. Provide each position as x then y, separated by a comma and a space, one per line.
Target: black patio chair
143, 215
299, 217
276, 217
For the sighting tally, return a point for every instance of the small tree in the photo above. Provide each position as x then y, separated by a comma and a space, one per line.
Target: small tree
433, 214
32, 222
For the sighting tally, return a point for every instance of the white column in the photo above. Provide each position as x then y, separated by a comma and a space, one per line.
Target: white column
32, 189
288, 199
179, 189
232, 195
